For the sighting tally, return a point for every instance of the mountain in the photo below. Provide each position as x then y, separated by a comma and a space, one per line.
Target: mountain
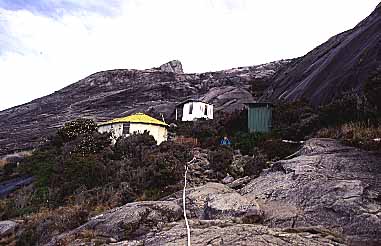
109, 94
341, 64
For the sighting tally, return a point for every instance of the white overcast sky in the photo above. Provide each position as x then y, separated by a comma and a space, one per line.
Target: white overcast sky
48, 44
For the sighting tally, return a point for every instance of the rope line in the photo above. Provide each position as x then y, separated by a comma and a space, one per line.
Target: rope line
184, 208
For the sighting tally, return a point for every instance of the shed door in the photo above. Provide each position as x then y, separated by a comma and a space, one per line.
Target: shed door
260, 119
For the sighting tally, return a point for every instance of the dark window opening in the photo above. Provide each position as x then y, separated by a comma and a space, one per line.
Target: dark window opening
126, 129
191, 108
206, 110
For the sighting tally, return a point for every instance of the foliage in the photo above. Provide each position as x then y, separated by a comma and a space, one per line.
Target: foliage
42, 226
134, 147
73, 129
358, 134
294, 120
247, 142
79, 161
220, 158
372, 90
255, 165
348, 108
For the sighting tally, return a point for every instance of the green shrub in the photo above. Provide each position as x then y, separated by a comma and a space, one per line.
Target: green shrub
42, 226
75, 128
220, 158
294, 120
255, 165
247, 142
133, 146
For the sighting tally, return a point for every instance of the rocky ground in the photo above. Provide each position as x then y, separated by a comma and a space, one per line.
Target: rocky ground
329, 194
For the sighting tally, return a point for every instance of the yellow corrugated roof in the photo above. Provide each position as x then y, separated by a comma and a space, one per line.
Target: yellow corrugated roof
136, 118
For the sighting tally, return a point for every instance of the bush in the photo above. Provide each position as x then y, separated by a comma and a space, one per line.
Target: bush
221, 158
73, 129
276, 149
350, 107
158, 171
255, 165
294, 120
42, 226
134, 147
357, 134
247, 142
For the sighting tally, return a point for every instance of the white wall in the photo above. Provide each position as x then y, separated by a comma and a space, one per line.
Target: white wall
198, 111
158, 132
115, 129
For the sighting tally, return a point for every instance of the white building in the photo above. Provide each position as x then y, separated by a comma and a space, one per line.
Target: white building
136, 123
191, 109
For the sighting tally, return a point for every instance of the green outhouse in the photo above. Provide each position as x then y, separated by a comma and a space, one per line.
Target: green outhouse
259, 117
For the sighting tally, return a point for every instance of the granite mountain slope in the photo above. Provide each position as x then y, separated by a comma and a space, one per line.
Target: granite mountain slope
342, 64
115, 93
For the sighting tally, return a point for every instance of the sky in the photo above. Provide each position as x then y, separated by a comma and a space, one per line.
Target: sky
46, 45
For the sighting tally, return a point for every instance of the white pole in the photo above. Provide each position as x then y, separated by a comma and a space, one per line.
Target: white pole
184, 208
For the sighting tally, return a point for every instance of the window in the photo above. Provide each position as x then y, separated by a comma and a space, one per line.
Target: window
126, 129
206, 110
191, 108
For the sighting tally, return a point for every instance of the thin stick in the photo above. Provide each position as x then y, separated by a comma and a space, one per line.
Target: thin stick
185, 213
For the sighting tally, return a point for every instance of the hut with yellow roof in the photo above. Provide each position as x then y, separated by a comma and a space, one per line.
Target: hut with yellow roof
136, 123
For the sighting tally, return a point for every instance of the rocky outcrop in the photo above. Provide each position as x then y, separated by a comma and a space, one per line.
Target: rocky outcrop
329, 194
8, 230
109, 94
341, 64
217, 215
228, 233
174, 66
129, 221
328, 185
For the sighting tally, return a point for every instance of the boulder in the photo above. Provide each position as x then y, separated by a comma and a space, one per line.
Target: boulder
217, 201
8, 229
174, 66
226, 233
327, 185
129, 221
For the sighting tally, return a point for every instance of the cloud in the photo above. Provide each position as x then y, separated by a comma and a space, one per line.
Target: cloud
58, 8
46, 44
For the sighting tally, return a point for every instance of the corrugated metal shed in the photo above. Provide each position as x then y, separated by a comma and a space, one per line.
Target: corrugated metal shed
259, 117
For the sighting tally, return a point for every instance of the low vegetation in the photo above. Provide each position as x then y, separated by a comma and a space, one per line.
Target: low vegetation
79, 174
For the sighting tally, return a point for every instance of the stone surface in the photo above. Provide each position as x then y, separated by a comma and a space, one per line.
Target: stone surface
115, 93
218, 232
228, 179
8, 230
7, 227
328, 185
174, 66
328, 195
129, 221
341, 64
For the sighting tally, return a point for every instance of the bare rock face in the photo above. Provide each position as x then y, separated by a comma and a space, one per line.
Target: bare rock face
174, 66
217, 201
8, 229
341, 64
129, 221
328, 195
227, 233
115, 93
328, 185
217, 215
